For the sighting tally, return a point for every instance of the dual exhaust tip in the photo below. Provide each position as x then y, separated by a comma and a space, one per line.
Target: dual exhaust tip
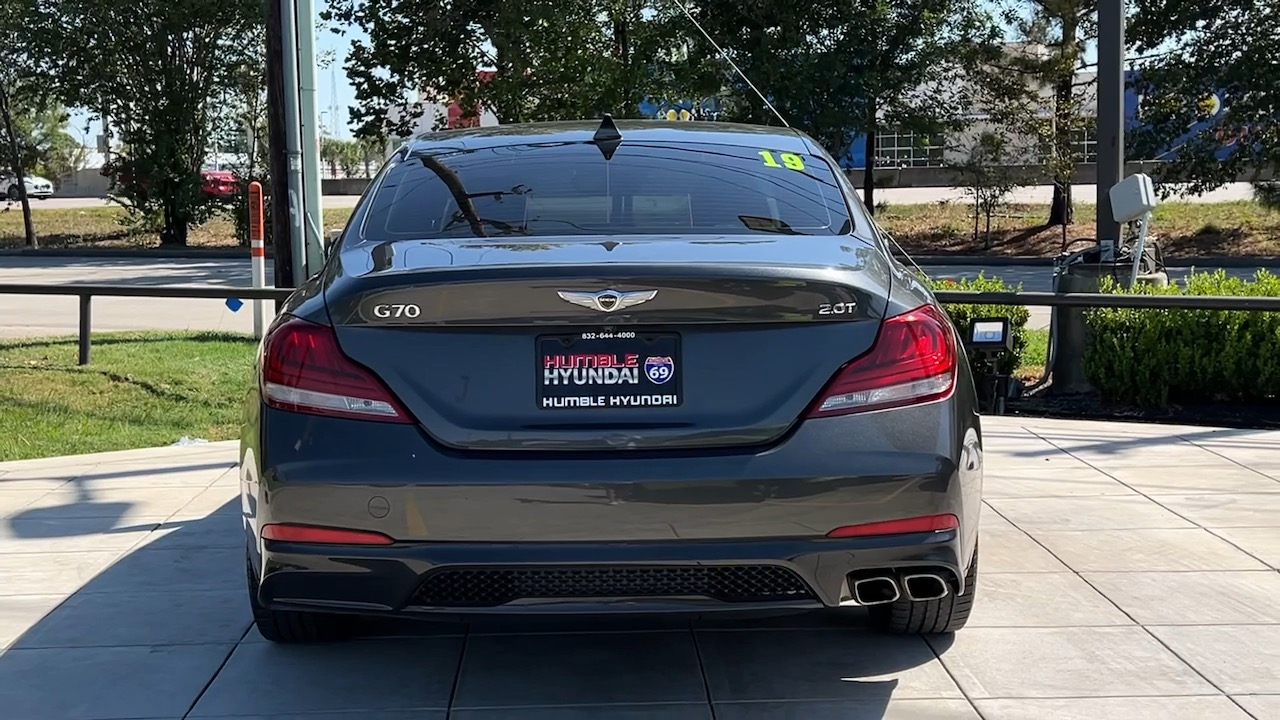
881, 589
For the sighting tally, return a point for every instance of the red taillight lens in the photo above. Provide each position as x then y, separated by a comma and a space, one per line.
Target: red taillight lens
323, 535
304, 370
927, 523
913, 361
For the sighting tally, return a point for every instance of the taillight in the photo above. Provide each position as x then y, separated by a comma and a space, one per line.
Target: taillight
913, 361
304, 370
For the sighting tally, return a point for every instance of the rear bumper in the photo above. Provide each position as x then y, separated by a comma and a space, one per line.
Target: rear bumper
610, 513
477, 579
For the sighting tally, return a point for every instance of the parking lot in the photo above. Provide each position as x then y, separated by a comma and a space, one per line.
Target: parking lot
1128, 571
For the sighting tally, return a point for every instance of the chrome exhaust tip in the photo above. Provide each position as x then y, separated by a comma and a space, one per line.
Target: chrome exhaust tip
925, 586
875, 590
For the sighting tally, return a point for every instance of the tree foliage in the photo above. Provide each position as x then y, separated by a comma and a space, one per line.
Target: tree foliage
349, 158
548, 59
47, 145
837, 69
987, 176
1036, 87
22, 95
158, 69
1223, 48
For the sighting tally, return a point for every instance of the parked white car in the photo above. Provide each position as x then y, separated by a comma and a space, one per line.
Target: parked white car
37, 187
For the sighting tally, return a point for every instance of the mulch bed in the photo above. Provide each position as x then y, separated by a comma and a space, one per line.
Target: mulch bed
1088, 406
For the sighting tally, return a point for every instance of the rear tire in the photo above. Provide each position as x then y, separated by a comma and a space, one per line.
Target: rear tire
292, 626
929, 617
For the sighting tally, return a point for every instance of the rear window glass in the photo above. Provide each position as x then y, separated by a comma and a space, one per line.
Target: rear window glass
570, 189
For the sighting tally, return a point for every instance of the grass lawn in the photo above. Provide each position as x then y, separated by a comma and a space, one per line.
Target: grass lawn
1034, 355
141, 390
1242, 228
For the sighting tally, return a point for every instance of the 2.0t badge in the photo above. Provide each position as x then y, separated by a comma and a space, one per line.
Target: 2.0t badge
607, 300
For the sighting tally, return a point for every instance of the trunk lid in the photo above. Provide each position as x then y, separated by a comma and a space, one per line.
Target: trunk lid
610, 343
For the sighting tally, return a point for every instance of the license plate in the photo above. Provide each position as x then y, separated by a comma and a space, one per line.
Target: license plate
609, 370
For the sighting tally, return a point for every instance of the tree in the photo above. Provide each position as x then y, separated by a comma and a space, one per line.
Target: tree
1209, 89
159, 69
841, 68
47, 146
239, 124
548, 59
373, 153
988, 177
20, 92
1055, 36
344, 155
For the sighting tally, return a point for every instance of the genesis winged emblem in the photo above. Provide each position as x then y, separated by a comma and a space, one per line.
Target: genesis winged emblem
607, 300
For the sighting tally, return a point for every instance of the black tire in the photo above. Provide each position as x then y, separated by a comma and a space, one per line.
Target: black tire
293, 627
929, 617
14, 194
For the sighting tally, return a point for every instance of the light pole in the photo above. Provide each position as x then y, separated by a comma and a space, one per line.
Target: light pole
1111, 156
313, 223
1082, 272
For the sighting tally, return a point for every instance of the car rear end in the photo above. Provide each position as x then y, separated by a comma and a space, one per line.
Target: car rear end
549, 374
219, 183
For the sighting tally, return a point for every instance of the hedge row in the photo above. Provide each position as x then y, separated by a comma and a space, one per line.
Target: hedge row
1154, 358
961, 315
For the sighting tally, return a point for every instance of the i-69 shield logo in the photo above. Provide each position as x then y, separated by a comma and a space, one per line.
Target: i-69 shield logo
659, 369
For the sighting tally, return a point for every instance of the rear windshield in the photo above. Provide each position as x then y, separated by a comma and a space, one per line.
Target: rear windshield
570, 189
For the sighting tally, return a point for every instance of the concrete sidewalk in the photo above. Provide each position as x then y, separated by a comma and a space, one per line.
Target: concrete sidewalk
1128, 572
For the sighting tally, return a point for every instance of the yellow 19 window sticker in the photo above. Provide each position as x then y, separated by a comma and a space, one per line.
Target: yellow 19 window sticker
789, 160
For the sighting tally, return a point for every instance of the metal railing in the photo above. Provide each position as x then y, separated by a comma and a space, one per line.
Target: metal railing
86, 293
1116, 300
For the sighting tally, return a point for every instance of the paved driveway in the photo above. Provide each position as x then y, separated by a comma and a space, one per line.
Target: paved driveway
1129, 572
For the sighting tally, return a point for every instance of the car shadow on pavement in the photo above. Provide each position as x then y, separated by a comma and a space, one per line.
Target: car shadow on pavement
107, 619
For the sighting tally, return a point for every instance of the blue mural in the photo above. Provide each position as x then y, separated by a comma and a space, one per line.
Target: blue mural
1211, 106
707, 109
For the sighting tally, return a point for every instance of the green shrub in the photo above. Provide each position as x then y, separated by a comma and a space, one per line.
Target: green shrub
961, 314
1153, 358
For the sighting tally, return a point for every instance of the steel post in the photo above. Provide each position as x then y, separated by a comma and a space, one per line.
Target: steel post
295, 203
1110, 118
313, 218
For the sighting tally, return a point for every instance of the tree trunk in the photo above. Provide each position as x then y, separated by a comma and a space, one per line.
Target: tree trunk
977, 211
15, 159
1062, 210
869, 173
174, 231
277, 191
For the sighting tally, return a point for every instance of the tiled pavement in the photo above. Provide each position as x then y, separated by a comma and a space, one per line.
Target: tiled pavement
1128, 572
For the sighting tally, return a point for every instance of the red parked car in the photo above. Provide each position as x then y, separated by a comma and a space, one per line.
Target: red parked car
219, 183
